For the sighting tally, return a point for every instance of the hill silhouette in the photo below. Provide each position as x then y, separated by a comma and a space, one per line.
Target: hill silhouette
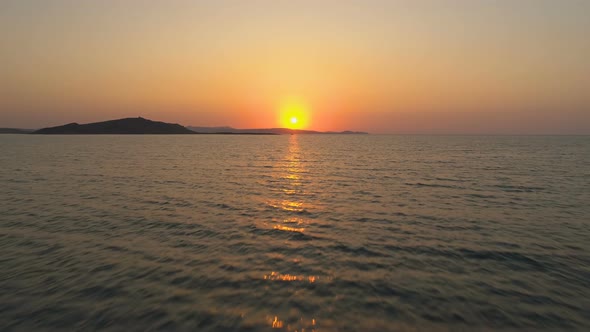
127, 126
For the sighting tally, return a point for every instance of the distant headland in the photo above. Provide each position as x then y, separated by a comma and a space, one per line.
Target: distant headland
127, 126
141, 126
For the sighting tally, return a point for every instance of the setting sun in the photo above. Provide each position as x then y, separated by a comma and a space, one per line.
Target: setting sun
293, 114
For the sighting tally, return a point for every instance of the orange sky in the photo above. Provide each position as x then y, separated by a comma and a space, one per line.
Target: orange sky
379, 66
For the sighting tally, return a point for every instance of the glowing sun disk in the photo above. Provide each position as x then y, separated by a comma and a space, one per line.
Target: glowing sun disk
294, 114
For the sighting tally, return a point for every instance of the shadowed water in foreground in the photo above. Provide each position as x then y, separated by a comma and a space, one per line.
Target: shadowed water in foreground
324, 233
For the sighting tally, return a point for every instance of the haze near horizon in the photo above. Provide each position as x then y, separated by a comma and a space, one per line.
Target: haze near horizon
466, 67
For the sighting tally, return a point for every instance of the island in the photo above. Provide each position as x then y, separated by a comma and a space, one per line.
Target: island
127, 126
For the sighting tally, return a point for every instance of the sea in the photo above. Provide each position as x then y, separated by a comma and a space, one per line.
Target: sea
294, 233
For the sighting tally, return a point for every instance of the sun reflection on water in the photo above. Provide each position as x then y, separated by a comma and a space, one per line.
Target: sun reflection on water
301, 325
291, 225
289, 208
276, 323
289, 229
287, 205
290, 185
275, 276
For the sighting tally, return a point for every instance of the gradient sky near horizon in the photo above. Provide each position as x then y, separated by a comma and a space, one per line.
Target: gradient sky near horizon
462, 67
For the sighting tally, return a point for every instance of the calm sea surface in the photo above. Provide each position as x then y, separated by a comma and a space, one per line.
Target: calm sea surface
324, 233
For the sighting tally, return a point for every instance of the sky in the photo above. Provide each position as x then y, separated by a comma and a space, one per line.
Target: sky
432, 67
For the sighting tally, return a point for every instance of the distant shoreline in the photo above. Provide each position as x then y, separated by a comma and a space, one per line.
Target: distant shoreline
146, 134
141, 126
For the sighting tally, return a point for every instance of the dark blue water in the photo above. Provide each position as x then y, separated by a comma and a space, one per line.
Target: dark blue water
294, 233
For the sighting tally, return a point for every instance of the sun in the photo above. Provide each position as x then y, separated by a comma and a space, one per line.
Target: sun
293, 114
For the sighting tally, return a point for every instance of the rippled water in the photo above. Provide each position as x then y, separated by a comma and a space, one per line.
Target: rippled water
324, 233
